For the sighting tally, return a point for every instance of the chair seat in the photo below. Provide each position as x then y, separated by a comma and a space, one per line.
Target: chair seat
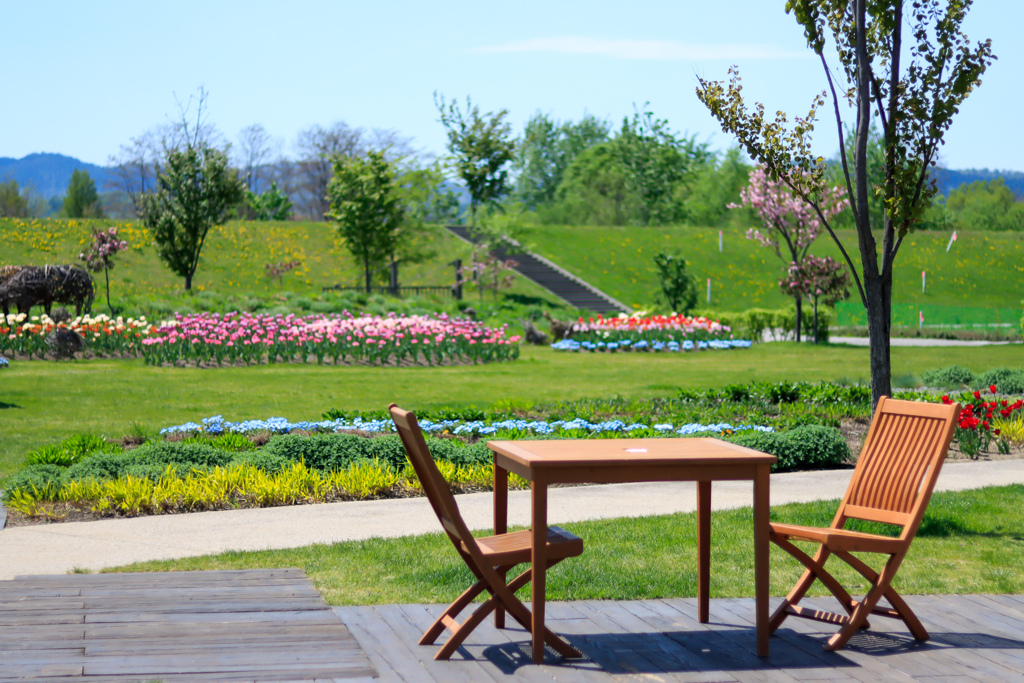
514, 548
839, 539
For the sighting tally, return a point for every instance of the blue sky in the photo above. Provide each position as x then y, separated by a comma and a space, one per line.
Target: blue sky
83, 78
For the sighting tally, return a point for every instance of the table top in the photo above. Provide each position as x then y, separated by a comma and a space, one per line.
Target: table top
554, 453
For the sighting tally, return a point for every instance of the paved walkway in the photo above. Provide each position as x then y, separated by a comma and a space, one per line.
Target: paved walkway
900, 341
58, 548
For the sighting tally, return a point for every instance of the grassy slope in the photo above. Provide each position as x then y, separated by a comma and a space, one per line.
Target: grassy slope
233, 258
42, 402
982, 269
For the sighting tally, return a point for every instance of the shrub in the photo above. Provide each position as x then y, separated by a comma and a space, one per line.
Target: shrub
102, 466
41, 477
809, 447
271, 463
321, 452
51, 454
81, 445
952, 377
195, 453
1007, 380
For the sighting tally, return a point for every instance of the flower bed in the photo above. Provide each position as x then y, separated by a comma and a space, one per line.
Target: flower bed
644, 345
508, 429
649, 328
103, 335
253, 339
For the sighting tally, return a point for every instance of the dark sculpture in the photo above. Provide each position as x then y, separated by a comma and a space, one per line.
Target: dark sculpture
45, 285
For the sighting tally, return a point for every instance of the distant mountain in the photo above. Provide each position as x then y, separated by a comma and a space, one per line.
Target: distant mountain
950, 179
48, 174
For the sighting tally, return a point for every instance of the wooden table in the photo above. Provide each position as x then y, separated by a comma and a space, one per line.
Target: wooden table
605, 461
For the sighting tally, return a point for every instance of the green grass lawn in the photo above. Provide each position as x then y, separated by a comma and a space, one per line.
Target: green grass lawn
42, 402
969, 542
983, 269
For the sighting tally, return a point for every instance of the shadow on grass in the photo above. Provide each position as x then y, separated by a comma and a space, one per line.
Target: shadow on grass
4, 406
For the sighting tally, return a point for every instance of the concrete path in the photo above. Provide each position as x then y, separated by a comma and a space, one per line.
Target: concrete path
900, 341
59, 548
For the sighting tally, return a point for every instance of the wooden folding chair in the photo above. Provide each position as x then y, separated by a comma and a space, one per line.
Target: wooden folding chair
892, 483
488, 558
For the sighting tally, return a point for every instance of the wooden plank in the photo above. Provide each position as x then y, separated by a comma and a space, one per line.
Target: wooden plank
465, 670
486, 646
321, 616
389, 654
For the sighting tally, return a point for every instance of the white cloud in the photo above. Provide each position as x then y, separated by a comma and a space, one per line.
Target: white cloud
665, 50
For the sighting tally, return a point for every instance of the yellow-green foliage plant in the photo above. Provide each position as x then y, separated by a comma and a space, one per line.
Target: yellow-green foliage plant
238, 486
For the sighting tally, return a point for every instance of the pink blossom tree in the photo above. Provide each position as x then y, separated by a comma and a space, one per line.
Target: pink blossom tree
791, 223
817, 279
105, 244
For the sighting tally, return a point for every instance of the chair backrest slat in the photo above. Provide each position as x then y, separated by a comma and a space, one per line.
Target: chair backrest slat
900, 462
434, 485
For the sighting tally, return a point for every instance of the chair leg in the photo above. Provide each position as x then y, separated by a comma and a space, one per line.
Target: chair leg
899, 605
438, 627
864, 608
814, 569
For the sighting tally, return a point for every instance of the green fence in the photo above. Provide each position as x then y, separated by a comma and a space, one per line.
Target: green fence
850, 314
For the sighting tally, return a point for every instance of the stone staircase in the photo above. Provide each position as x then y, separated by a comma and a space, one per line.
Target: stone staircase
560, 282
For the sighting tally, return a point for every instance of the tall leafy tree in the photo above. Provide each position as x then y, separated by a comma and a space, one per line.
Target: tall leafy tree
81, 199
906, 66
13, 203
368, 207
656, 162
196, 191
546, 149
482, 150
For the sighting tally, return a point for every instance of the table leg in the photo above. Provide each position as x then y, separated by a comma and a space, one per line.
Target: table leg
539, 559
761, 546
500, 526
703, 550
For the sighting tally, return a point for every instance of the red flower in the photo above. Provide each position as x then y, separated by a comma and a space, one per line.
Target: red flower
992, 388
977, 395
945, 400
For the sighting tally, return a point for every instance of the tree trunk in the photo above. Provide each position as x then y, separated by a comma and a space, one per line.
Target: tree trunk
879, 308
369, 277
106, 273
815, 320
188, 282
799, 317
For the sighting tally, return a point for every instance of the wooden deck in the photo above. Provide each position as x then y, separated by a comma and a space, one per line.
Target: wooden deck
974, 638
253, 625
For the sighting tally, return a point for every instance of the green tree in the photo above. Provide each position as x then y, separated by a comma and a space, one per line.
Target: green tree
81, 200
715, 185
196, 191
985, 205
546, 149
272, 205
677, 285
593, 190
911, 88
365, 201
13, 203
656, 161
482, 150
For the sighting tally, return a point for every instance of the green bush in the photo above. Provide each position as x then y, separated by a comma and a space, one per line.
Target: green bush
321, 452
270, 463
51, 454
809, 447
102, 466
44, 477
194, 453
1007, 380
953, 377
